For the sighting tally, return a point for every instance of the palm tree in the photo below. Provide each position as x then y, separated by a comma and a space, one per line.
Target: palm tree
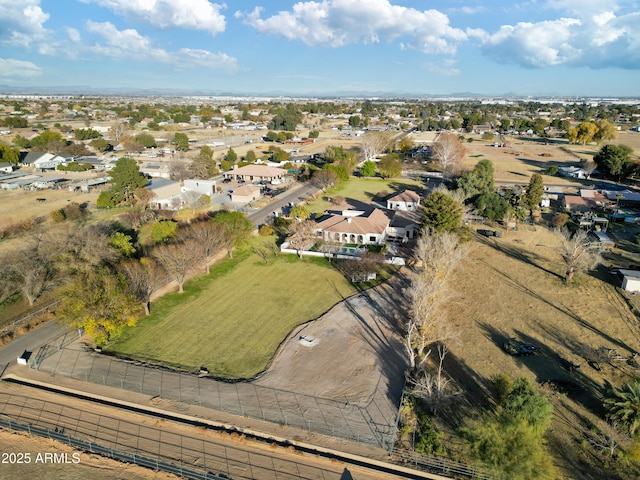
623, 405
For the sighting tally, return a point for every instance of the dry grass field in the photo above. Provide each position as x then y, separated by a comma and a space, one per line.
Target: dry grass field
513, 287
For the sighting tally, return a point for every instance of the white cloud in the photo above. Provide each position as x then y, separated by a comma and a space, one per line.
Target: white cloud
583, 7
336, 23
598, 41
446, 68
130, 45
22, 23
190, 14
12, 69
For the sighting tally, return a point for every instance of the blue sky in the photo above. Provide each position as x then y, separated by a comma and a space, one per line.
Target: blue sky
325, 47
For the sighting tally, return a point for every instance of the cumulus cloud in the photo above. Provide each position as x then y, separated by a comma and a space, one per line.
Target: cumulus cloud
129, 44
597, 40
336, 23
190, 14
11, 69
22, 23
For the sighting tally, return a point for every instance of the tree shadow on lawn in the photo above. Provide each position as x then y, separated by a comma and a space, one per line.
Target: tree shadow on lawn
389, 349
476, 394
529, 258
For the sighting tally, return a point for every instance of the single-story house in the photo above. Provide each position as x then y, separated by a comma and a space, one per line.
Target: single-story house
256, 173
205, 187
630, 280
578, 204
245, 194
406, 200
623, 197
43, 160
573, 172
166, 194
404, 226
354, 226
6, 167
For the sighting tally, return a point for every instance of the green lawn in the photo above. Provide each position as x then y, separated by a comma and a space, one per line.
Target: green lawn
233, 320
363, 189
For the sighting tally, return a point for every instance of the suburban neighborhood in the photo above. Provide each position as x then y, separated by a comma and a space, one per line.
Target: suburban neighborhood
389, 289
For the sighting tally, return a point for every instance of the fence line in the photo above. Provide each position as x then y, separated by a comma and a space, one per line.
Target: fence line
305, 412
21, 321
190, 457
440, 465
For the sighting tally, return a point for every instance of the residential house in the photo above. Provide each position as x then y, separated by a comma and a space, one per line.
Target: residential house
166, 194
406, 200
6, 167
257, 173
404, 226
573, 172
354, 226
245, 194
205, 187
578, 204
630, 280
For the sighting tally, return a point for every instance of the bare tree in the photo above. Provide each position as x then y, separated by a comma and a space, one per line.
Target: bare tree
179, 170
179, 259
589, 166
302, 235
194, 200
577, 251
373, 144
144, 277
434, 388
33, 271
118, 130
136, 217
449, 152
609, 439
324, 178
210, 238
426, 324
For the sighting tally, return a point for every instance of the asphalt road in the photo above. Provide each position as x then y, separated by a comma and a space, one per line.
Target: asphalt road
293, 195
32, 341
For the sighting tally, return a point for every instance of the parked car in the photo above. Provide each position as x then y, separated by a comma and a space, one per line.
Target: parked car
489, 233
226, 180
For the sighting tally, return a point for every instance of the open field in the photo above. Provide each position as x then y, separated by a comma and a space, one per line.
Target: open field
512, 287
233, 320
526, 156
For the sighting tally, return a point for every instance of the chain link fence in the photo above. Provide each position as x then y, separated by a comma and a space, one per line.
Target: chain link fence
373, 424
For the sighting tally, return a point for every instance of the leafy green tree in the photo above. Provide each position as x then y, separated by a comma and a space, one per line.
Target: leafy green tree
250, 157
46, 138
478, 181
163, 230
15, 121
389, 166
231, 156
86, 134
493, 206
354, 121
623, 405
98, 301
181, 141
615, 161
584, 133
368, 169
123, 243
100, 144
509, 440
21, 142
238, 228
535, 191
146, 140
109, 199
314, 134
441, 213
125, 179
272, 136
9, 154
300, 211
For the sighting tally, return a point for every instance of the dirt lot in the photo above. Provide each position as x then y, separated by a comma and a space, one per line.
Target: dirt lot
512, 287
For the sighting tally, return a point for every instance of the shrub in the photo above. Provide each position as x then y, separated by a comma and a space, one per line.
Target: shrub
559, 220
57, 215
266, 230
552, 170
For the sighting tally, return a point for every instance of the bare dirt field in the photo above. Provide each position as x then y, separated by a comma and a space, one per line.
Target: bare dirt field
512, 287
